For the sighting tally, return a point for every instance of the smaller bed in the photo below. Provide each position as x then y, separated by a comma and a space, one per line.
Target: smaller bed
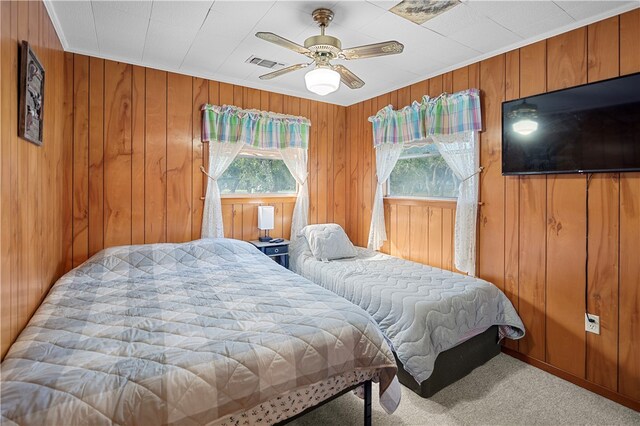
440, 324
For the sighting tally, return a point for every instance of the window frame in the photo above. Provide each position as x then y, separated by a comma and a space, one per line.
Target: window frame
387, 185
249, 152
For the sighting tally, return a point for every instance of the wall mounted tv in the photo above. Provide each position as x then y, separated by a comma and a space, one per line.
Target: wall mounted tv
590, 128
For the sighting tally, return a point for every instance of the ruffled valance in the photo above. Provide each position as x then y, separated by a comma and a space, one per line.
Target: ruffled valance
260, 129
444, 115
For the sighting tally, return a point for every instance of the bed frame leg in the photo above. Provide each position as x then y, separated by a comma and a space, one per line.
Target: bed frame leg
367, 403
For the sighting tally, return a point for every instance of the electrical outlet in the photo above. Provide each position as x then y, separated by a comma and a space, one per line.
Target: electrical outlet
592, 326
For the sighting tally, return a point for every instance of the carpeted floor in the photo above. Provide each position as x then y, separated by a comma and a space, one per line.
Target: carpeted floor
505, 391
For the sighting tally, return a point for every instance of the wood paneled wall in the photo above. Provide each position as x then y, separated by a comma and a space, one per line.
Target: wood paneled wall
137, 157
35, 182
532, 239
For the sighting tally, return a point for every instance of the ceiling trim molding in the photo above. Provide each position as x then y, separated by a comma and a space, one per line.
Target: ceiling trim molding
265, 87
56, 24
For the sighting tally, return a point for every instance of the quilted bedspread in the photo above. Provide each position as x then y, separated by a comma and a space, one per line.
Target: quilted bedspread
421, 309
184, 334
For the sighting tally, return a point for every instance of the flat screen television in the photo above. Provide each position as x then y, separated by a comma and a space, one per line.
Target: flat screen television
590, 128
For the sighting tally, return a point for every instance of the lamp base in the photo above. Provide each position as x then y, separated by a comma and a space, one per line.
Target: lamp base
265, 239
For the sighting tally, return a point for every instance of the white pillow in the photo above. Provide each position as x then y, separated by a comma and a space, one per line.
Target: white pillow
328, 241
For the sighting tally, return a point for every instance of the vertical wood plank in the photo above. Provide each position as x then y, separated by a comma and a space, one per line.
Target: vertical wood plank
532, 221
403, 229
227, 220
287, 214
603, 49
156, 157
323, 161
417, 91
460, 79
200, 96
435, 236
249, 222
339, 167
629, 42
179, 158
629, 350
80, 159
512, 198
491, 226
565, 274
96, 155
138, 107
313, 162
117, 154
237, 222
629, 291
419, 234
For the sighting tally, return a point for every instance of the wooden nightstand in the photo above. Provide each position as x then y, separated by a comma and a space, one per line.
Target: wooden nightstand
277, 251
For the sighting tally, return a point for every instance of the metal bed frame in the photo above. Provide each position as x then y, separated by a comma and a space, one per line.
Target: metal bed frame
367, 404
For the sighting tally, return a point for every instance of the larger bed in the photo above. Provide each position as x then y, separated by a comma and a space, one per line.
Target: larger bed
422, 310
207, 332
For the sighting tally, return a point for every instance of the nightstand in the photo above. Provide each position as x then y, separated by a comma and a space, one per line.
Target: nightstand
277, 251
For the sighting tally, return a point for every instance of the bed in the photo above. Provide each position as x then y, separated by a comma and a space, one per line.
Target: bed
205, 332
440, 324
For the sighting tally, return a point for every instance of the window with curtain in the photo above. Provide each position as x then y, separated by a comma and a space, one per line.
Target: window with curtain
257, 172
421, 171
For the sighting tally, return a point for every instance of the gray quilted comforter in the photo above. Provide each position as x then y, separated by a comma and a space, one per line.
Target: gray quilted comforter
421, 309
181, 333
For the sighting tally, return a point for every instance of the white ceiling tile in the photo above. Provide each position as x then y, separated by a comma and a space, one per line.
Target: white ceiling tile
485, 36
584, 9
516, 14
241, 10
139, 8
355, 14
120, 34
181, 14
167, 45
453, 20
558, 20
76, 20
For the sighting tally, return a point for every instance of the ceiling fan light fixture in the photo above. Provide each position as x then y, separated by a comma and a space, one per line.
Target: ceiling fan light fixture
322, 81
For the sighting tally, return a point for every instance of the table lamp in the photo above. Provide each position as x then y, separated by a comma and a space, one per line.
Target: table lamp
265, 221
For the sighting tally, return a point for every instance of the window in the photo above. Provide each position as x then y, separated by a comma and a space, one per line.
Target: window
422, 172
257, 172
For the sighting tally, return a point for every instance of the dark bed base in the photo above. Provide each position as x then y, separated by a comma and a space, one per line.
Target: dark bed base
367, 404
455, 363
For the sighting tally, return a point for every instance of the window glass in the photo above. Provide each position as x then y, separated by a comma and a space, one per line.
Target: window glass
252, 173
422, 172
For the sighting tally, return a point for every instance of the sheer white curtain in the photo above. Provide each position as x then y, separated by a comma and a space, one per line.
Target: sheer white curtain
387, 155
459, 150
221, 155
296, 161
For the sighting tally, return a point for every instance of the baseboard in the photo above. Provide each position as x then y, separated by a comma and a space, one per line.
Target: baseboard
602, 391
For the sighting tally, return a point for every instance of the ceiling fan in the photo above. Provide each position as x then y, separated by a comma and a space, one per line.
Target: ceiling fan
325, 77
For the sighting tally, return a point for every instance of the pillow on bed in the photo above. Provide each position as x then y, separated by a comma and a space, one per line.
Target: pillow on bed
328, 241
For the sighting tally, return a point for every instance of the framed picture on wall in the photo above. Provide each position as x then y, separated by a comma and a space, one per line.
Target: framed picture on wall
31, 89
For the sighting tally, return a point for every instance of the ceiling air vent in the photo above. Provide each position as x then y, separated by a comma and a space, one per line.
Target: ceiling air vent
267, 63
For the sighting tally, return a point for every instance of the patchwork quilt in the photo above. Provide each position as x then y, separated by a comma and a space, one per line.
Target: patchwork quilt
422, 310
183, 334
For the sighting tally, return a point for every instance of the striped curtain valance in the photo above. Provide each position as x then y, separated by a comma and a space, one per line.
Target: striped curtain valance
447, 114
259, 129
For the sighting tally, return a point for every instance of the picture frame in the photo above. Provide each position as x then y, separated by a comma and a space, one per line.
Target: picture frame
31, 102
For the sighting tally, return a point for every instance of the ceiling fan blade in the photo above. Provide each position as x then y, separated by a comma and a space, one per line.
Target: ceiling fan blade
283, 42
349, 79
372, 50
282, 71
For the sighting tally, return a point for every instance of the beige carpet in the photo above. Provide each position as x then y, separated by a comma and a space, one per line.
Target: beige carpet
505, 391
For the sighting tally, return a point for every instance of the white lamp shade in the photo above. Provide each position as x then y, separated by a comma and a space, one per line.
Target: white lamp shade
322, 81
525, 127
265, 217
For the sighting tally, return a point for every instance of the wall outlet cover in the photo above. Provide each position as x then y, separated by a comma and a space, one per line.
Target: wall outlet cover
592, 326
